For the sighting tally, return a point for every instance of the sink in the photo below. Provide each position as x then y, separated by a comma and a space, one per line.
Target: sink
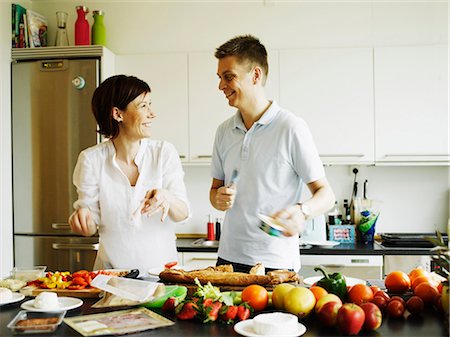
202, 242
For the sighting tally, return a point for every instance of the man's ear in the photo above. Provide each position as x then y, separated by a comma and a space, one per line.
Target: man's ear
257, 75
117, 114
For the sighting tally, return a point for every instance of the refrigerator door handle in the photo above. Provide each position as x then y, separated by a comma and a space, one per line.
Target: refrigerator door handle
77, 246
60, 225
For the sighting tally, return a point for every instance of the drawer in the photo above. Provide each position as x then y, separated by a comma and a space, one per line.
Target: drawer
358, 266
199, 260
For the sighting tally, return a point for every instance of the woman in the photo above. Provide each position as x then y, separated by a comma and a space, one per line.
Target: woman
125, 181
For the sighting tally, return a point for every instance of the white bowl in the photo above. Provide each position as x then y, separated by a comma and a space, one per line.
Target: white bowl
275, 324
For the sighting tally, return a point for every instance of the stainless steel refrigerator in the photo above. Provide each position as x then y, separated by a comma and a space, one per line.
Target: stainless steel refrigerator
51, 123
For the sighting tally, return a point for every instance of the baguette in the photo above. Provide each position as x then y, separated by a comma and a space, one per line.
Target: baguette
217, 276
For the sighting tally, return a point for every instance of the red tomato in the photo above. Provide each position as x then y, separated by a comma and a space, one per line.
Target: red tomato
170, 264
395, 308
256, 296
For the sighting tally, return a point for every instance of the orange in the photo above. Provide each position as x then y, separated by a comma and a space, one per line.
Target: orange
397, 282
256, 296
416, 272
422, 279
318, 292
427, 292
360, 293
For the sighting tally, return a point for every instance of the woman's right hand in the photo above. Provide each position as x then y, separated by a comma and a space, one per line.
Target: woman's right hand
81, 222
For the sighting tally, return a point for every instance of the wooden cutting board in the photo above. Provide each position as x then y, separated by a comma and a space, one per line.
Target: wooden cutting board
83, 293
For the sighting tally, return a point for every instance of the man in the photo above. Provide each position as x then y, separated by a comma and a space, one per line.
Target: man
274, 153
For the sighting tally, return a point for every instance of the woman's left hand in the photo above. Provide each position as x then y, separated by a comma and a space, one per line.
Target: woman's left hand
156, 200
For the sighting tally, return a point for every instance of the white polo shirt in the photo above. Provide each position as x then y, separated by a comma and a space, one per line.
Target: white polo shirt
128, 239
274, 158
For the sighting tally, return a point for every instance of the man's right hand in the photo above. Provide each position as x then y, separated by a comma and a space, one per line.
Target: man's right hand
81, 222
225, 197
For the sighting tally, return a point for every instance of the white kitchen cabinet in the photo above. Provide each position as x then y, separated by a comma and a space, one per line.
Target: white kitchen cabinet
208, 107
332, 89
357, 266
166, 73
405, 263
198, 260
411, 105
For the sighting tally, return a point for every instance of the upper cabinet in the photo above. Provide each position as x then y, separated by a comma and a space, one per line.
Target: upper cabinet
411, 105
332, 89
166, 73
208, 107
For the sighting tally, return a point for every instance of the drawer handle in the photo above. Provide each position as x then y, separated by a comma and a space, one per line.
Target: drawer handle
204, 156
359, 260
77, 246
60, 225
203, 259
333, 265
358, 155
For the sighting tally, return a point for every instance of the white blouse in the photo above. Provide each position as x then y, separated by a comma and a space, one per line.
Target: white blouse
128, 239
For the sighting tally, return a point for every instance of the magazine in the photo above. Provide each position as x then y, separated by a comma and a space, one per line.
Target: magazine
117, 322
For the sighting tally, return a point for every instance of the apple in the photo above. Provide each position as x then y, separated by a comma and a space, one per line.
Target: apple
327, 314
327, 298
350, 319
279, 293
373, 315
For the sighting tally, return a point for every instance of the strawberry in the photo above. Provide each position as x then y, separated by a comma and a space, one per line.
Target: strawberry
186, 311
228, 313
170, 304
243, 312
211, 310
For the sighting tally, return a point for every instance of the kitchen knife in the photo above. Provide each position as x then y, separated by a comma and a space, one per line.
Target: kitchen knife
234, 178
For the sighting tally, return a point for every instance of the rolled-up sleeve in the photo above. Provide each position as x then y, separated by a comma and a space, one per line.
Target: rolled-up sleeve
85, 179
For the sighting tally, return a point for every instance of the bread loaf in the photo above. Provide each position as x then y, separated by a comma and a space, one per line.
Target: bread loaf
221, 276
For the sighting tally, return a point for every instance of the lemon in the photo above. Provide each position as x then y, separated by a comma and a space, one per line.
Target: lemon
299, 301
279, 293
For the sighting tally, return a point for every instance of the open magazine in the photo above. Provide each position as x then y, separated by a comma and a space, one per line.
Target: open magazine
117, 322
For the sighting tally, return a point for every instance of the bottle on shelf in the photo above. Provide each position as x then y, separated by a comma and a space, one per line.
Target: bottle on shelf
82, 30
98, 29
62, 39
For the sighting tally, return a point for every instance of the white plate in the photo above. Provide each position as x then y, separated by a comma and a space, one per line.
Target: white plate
16, 298
320, 243
155, 271
245, 328
65, 303
351, 281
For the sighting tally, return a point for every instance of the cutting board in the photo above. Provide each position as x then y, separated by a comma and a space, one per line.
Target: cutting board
83, 293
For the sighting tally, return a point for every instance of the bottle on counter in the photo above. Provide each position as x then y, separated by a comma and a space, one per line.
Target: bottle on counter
335, 215
347, 214
210, 229
218, 228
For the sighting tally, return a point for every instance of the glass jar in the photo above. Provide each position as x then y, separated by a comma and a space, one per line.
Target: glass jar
62, 39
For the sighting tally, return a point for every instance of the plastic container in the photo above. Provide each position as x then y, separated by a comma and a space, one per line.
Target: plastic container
16, 328
28, 274
179, 292
135, 290
98, 29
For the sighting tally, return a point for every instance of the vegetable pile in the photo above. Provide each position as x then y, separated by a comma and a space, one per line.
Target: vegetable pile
65, 280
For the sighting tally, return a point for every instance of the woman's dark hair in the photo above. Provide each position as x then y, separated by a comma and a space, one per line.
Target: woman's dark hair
116, 91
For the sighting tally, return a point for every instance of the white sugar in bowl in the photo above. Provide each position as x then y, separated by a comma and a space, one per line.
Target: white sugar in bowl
275, 324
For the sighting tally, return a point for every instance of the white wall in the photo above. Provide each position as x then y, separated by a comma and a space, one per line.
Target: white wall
415, 198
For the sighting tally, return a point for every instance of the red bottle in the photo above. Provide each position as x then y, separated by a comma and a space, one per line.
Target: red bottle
210, 229
82, 30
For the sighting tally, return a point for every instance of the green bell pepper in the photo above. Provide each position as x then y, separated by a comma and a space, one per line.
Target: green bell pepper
333, 283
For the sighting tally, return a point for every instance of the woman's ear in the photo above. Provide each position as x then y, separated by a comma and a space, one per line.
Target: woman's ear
117, 114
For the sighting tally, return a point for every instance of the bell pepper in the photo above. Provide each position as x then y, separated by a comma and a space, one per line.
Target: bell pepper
333, 283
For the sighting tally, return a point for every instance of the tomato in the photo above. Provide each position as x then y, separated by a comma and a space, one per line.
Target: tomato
256, 296
415, 305
170, 264
397, 298
375, 289
397, 282
80, 273
79, 280
380, 302
76, 287
395, 309
382, 294
360, 293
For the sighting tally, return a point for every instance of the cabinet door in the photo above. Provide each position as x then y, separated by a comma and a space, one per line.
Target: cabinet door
332, 89
167, 76
411, 104
199, 260
208, 107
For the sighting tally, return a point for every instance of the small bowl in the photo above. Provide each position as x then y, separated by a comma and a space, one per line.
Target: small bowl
275, 324
16, 328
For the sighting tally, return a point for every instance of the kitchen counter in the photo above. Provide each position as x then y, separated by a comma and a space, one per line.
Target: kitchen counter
185, 245
430, 324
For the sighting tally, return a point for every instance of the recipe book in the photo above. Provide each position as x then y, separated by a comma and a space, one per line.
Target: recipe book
117, 322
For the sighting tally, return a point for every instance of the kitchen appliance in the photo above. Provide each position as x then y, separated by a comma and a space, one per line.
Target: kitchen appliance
51, 123
412, 240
